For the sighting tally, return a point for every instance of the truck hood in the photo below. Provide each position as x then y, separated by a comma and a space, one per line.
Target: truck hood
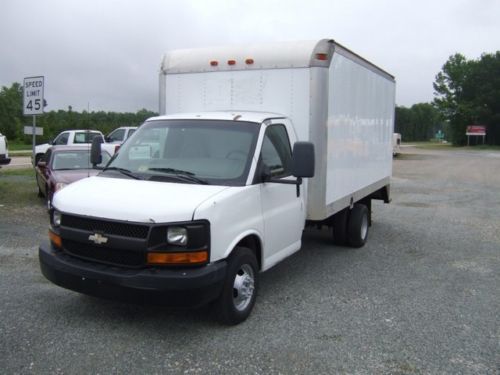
133, 200
42, 149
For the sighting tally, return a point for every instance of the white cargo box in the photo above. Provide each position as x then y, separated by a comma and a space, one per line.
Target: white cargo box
334, 98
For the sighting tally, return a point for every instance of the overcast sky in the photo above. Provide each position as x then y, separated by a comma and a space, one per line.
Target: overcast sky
105, 54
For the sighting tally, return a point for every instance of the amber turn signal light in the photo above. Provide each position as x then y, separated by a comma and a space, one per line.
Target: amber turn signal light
195, 257
55, 239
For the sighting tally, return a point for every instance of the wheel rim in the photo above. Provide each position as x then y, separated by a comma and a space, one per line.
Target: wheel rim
243, 287
364, 227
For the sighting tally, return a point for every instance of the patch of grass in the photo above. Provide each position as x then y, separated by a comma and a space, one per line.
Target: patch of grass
18, 172
449, 146
18, 188
16, 146
433, 146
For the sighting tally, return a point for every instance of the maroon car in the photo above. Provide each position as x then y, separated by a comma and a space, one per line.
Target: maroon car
62, 165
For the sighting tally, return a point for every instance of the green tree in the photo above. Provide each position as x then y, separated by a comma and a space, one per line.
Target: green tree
417, 123
468, 92
54, 122
11, 111
482, 92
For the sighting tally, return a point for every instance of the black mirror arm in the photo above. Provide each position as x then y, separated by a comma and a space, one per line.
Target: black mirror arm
297, 183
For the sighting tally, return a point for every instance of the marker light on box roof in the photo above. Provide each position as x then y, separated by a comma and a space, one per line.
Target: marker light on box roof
322, 56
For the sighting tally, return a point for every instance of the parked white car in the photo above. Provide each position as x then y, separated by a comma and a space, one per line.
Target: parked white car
4, 150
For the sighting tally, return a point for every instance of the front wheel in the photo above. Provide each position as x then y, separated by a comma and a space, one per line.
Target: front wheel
240, 287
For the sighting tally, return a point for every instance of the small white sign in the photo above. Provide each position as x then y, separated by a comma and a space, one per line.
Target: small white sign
28, 130
33, 96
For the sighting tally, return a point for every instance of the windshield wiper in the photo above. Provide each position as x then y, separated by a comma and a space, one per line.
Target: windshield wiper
123, 171
180, 174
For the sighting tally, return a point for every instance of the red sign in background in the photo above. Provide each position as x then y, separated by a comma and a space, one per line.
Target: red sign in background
476, 130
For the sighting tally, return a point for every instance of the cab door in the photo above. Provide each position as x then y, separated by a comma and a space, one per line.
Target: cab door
283, 212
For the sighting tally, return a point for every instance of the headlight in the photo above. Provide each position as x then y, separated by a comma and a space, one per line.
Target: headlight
56, 218
177, 236
60, 185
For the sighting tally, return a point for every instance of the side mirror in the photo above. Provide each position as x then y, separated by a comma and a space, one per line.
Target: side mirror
41, 164
95, 151
303, 159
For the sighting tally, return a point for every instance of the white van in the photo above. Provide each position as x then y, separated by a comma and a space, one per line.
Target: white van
254, 142
4, 150
396, 144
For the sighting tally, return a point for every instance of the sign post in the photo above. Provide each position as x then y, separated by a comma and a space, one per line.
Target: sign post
33, 101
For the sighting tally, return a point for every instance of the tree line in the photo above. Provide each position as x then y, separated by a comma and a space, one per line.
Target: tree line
467, 92
12, 121
420, 122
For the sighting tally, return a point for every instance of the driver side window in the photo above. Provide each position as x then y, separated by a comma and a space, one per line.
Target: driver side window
117, 136
276, 152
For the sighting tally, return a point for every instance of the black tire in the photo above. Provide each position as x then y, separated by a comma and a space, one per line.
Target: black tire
233, 308
358, 225
339, 227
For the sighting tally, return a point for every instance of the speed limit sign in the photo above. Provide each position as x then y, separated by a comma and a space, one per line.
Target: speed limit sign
33, 96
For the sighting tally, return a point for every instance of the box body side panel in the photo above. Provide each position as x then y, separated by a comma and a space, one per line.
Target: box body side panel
359, 131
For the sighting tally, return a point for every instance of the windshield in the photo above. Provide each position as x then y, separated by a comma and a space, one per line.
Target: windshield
189, 151
75, 159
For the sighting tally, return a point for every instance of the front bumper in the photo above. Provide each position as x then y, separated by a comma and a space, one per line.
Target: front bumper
182, 287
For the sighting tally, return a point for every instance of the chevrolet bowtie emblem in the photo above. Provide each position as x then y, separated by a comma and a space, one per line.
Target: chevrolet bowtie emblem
98, 239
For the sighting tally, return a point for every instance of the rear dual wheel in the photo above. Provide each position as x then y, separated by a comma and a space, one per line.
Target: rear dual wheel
358, 225
350, 227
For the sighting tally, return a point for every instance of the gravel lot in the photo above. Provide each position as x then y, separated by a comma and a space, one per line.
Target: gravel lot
421, 297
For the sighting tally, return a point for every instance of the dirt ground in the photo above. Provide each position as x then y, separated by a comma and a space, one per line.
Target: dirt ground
421, 297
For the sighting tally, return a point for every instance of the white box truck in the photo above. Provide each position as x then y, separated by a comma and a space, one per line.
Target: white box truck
210, 193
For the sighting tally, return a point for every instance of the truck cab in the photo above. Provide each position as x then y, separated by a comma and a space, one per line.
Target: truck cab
190, 210
121, 134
